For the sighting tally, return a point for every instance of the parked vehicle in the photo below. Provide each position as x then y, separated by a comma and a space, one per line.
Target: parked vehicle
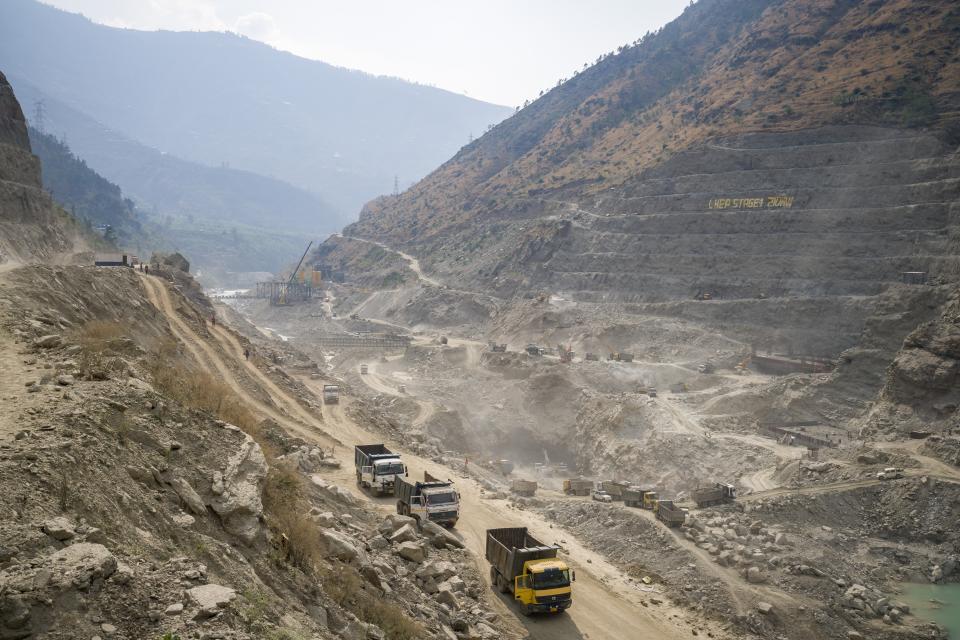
378, 468
577, 487
331, 394
535, 350
620, 356
530, 570
669, 513
433, 500
717, 494
364, 369
497, 348
601, 496
890, 473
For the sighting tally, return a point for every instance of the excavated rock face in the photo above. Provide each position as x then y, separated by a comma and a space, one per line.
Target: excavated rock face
924, 378
31, 226
13, 126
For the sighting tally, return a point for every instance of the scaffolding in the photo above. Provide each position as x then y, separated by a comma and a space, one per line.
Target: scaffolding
363, 341
284, 293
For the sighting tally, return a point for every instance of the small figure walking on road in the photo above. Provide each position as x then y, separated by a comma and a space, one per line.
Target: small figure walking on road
246, 354
213, 319
146, 269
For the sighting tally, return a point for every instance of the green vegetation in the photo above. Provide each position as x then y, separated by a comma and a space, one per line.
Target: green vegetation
91, 198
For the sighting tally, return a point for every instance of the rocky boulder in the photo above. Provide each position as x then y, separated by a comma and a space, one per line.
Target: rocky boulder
239, 505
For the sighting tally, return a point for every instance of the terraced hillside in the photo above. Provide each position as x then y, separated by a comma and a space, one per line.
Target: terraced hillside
776, 148
838, 211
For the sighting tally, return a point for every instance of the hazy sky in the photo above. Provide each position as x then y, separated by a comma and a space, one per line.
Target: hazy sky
504, 51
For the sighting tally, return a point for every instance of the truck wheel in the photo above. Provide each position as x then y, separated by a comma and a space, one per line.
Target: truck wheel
504, 586
527, 611
399, 508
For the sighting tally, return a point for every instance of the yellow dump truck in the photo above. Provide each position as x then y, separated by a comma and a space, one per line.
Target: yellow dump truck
522, 565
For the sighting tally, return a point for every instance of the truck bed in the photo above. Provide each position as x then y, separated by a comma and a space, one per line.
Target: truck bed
508, 549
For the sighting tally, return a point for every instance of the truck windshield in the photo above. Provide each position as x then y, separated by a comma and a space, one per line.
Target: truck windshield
390, 469
441, 498
551, 579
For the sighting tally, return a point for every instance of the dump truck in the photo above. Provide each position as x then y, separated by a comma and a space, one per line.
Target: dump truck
717, 494
620, 356
504, 467
530, 570
433, 500
577, 487
331, 394
526, 488
497, 348
615, 489
378, 468
535, 350
633, 495
669, 513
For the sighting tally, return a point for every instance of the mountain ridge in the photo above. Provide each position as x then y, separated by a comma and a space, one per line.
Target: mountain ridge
214, 98
735, 68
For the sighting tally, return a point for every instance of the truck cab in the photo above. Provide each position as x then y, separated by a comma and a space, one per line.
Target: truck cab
384, 473
650, 500
378, 468
432, 500
544, 586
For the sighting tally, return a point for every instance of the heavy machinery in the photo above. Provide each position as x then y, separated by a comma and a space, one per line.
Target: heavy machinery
669, 513
331, 394
566, 354
591, 357
534, 350
525, 488
717, 494
364, 369
378, 468
530, 570
497, 348
433, 500
620, 356
577, 486
706, 367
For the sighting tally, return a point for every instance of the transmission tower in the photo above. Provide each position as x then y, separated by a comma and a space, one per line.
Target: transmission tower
39, 115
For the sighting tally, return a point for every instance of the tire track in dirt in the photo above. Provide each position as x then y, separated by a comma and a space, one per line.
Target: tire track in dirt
208, 359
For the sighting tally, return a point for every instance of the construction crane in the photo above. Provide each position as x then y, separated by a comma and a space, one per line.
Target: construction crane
295, 271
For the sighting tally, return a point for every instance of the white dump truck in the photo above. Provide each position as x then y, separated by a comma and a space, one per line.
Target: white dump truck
378, 468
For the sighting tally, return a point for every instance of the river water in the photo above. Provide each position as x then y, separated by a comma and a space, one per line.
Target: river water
937, 602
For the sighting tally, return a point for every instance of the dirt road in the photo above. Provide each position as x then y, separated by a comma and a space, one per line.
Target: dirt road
605, 605
411, 261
